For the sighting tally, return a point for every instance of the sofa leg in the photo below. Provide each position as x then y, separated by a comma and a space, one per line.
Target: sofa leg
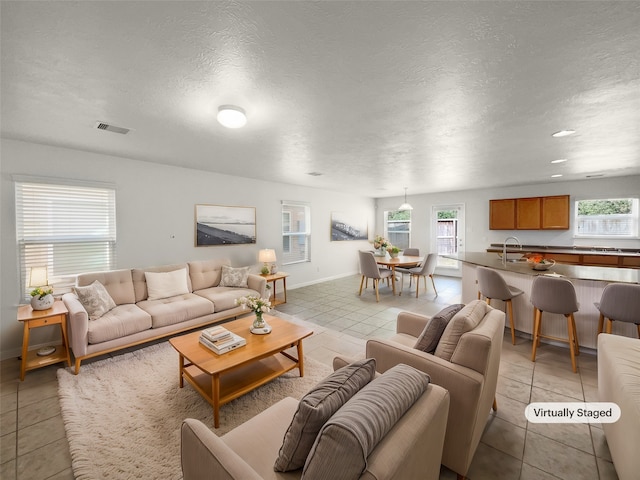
77, 369
495, 405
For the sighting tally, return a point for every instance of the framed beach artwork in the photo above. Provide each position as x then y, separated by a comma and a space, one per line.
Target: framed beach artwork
345, 227
224, 225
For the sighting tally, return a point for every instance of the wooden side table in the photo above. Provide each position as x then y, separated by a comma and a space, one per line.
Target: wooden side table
273, 278
56, 315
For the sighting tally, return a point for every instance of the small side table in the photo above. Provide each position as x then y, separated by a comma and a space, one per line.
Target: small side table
273, 278
56, 315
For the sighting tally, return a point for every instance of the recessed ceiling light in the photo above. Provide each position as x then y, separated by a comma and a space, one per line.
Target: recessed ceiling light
563, 133
559, 160
556, 175
231, 116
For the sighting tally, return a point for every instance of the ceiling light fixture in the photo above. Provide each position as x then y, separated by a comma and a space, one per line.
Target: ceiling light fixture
563, 133
559, 160
405, 205
231, 116
557, 175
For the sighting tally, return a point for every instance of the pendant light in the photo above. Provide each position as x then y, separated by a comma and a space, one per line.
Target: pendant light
405, 205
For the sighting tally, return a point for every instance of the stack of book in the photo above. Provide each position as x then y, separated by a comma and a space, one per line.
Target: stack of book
221, 340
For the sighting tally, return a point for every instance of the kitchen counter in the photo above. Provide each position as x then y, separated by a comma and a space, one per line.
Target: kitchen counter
497, 247
599, 256
588, 282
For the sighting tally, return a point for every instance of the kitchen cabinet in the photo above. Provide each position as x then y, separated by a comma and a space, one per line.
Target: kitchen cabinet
502, 214
528, 213
532, 213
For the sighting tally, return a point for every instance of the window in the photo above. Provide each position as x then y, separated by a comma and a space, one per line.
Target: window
397, 228
296, 232
608, 218
70, 229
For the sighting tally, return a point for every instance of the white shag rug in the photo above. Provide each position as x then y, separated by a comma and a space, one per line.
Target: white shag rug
122, 415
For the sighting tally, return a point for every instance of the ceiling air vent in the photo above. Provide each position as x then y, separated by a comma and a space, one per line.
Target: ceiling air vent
112, 128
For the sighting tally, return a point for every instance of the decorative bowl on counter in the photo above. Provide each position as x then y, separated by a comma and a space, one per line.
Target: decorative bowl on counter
544, 264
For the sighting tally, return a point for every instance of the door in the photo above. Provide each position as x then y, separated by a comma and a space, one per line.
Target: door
447, 236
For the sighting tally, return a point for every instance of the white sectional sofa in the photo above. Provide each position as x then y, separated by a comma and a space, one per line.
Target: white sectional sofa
135, 317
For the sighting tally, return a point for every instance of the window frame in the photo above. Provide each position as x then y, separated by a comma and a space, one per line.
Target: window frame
634, 217
43, 239
288, 234
387, 234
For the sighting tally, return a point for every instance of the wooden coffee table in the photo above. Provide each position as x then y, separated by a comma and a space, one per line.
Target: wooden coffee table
221, 378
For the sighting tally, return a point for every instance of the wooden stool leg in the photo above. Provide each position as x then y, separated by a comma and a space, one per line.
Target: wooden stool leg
571, 342
600, 324
513, 328
537, 319
361, 283
575, 335
376, 282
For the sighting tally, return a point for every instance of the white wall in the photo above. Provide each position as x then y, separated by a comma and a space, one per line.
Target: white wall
155, 219
477, 234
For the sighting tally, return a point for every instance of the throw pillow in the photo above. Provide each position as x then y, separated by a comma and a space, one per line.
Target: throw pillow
316, 407
166, 284
430, 336
95, 299
464, 321
345, 442
234, 277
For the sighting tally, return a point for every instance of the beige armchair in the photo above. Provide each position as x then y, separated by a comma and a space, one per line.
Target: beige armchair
470, 374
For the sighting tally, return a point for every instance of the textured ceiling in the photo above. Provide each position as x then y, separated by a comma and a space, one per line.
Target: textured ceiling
375, 96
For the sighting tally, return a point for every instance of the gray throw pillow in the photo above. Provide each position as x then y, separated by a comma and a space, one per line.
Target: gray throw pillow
95, 299
316, 407
345, 442
234, 277
433, 330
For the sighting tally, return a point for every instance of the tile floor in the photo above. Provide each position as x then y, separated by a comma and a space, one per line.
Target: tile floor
34, 446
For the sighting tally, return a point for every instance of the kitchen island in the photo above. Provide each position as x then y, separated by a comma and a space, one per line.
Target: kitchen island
588, 282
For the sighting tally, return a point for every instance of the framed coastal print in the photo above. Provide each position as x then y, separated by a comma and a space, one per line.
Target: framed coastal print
225, 225
345, 227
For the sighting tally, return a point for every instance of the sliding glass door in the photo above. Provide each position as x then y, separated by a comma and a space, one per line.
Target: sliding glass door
447, 236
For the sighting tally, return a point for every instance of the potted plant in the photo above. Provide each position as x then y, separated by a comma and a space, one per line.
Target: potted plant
42, 298
393, 251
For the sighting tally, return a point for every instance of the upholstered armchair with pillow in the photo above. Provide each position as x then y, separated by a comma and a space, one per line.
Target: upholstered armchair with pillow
464, 360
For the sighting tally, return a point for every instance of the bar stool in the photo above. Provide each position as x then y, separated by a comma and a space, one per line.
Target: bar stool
555, 295
492, 285
619, 302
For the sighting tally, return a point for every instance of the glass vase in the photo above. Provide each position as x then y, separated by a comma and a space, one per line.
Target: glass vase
258, 322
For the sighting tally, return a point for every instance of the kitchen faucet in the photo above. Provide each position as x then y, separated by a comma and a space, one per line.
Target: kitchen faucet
504, 248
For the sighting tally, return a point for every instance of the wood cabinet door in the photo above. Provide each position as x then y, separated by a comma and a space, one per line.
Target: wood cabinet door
502, 214
555, 212
528, 213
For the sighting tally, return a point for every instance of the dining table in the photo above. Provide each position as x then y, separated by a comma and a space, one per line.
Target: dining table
405, 261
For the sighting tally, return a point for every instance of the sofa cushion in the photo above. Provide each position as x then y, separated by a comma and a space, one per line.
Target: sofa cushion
316, 407
169, 311
433, 330
119, 284
206, 273
166, 284
464, 321
118, 322
95, 299
341, 448
224, 298
234, 277
140, 280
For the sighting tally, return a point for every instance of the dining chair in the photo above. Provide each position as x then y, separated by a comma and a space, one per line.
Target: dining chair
491, 285
619, 302
411, 252
425, 270
369, 269
555, 295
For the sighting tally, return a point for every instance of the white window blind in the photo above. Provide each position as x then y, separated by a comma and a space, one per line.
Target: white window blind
70, 229
296, 232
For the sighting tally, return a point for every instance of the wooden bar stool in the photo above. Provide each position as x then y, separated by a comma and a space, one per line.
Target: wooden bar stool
492, 285
555, 295
619, 302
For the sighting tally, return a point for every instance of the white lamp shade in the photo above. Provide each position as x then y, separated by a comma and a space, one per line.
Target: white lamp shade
231, 116
267, 255
38, 277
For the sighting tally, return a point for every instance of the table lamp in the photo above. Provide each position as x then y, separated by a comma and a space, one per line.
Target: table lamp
267, 257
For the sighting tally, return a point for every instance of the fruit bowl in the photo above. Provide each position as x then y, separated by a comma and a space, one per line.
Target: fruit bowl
544, 264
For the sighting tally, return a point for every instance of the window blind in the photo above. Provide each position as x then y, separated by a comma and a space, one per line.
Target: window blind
69, 229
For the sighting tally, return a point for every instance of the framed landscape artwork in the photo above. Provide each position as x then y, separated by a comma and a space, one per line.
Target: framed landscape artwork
345, 227
224, 225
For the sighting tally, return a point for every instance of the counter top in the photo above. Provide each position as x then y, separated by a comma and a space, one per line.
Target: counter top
601, 274
619, 252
